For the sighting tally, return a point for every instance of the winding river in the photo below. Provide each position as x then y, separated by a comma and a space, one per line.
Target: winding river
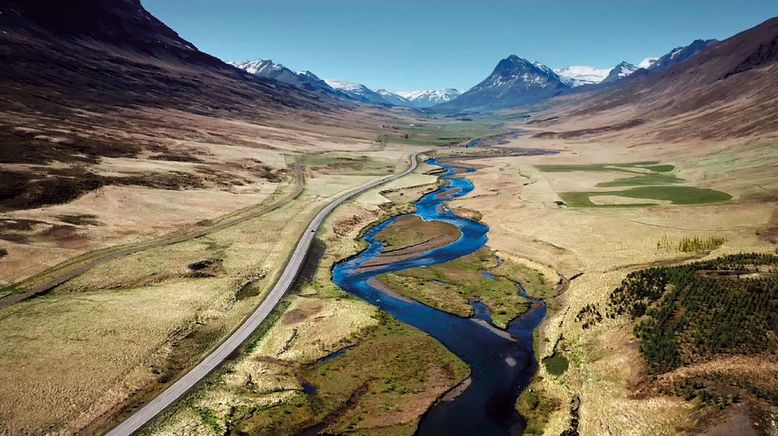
501, 361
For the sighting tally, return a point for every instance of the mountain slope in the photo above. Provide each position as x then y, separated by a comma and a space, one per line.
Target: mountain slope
115, 52
680, 54
358, 92
730, 89
675, 56
514, 82
100, 56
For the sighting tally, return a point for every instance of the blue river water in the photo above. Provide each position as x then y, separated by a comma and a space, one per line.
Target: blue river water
501, 361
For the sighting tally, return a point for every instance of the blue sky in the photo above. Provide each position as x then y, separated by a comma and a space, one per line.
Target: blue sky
413, 44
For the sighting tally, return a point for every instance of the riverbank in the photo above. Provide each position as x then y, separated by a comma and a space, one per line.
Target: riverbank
501, 361
596, 248
323, 360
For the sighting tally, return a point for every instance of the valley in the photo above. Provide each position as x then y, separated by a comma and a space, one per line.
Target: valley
195, 245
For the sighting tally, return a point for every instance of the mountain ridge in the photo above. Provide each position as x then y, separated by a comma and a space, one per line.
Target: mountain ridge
729, 89
513, 81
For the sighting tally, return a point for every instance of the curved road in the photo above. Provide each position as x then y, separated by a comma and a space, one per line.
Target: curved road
213, 360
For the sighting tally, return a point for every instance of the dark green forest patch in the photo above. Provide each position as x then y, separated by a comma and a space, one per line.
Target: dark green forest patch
704, 312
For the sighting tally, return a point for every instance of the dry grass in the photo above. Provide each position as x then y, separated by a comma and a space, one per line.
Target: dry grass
518, 202
117, 333
261, 390
235, 163
410, 230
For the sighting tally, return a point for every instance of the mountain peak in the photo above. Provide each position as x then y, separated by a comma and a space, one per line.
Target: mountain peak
513, 65
258, 66
515, 68
681, 54
620, 71
515, 81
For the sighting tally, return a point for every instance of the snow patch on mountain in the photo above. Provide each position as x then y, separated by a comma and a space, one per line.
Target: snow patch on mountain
259, 67
357, 91
578, 75
620, 71
393, 98
429, 98
647, 62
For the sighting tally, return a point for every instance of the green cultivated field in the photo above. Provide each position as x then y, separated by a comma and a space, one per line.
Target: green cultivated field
632, 167
674, 194
642, 180
649, 180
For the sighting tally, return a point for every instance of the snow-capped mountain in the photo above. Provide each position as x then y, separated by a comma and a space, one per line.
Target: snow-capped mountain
307, 80
620, 71
268, 68
681, 54
514, 82
393, 98
429, 98
310, 81
651, 64
271, 70
647, 62
578, 75
357, 92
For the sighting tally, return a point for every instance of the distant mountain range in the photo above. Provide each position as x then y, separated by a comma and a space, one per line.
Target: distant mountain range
358, 92
514, 82
265, 68
424, 99
709, 89
268, 69
518, 82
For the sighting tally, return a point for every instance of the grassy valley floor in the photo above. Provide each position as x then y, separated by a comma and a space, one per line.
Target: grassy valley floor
327, 360
594, 378
80, 356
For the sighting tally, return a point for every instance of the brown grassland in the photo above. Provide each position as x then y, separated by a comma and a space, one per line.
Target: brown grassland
327, 359
78, 357
596, 247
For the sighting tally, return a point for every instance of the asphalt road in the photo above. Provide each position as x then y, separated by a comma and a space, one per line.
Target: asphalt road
213, 360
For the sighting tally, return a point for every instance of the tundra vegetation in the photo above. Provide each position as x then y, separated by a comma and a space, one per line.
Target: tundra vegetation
327, 360
480, 276
143, 318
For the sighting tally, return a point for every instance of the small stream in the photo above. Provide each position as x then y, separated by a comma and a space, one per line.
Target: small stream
501, 361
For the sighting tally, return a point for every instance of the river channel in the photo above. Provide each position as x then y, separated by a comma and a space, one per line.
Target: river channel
501, 361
